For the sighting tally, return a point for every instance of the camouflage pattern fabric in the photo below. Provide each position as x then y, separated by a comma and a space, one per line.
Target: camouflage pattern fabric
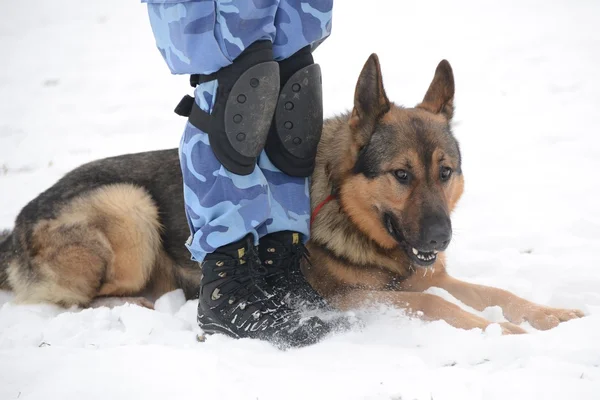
200, 37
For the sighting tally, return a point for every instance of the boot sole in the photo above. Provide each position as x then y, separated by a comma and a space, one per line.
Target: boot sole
210, 327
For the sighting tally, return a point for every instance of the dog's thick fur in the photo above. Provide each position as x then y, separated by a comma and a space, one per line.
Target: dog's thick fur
116, 227
113, 227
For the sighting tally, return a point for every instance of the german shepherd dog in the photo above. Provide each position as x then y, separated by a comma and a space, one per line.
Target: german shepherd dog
385, 183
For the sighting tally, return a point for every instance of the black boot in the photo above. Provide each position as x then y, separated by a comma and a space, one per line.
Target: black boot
282, 253
235, 300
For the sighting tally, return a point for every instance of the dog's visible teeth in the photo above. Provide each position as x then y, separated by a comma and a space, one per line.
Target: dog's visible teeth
424, 256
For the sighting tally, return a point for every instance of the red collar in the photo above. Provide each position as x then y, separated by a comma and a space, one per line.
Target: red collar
319, 206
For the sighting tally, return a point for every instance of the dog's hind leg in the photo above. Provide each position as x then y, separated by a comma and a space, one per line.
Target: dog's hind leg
111, 302
61, 264
105, 243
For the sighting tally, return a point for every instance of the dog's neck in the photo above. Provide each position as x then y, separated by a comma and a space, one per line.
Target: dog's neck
334, 230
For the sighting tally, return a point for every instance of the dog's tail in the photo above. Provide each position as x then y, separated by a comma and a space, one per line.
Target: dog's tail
6, 254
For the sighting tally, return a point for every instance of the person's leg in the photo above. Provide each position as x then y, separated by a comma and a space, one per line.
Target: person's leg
223, 207
292, 144
199, 37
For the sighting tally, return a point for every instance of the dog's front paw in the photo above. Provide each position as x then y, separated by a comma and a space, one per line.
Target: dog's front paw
544, 318
541, 317
511, 329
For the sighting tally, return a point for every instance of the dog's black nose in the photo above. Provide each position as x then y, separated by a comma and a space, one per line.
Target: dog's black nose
436, 233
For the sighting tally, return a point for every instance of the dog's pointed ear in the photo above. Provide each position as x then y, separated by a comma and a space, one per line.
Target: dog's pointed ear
440, 95
370, 100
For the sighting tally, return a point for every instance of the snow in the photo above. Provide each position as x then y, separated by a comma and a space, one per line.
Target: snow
79, 82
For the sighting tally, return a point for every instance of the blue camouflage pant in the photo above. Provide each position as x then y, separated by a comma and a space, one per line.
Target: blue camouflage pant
201, 37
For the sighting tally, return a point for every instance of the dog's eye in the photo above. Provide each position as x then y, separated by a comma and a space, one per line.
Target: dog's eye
402, 176
445, 173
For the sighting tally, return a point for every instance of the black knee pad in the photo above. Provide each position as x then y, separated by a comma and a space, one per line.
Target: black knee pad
296, 130
243, 108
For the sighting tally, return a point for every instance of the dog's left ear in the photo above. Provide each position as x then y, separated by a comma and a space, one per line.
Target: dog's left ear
370, 100
440, 95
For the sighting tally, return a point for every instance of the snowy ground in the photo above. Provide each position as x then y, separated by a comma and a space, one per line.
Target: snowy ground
81, 81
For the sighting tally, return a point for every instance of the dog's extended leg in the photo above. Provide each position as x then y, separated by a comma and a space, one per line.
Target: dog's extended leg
515, 308
422, 305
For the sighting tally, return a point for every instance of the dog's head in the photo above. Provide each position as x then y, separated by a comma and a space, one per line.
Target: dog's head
404, 177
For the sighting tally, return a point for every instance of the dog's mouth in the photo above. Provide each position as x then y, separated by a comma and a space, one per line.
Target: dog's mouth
421, 258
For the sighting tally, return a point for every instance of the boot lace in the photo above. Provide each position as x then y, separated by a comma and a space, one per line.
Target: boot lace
250, 274
290, 275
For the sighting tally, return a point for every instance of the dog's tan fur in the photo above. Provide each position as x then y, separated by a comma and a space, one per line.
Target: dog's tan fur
111, 240
104, 244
